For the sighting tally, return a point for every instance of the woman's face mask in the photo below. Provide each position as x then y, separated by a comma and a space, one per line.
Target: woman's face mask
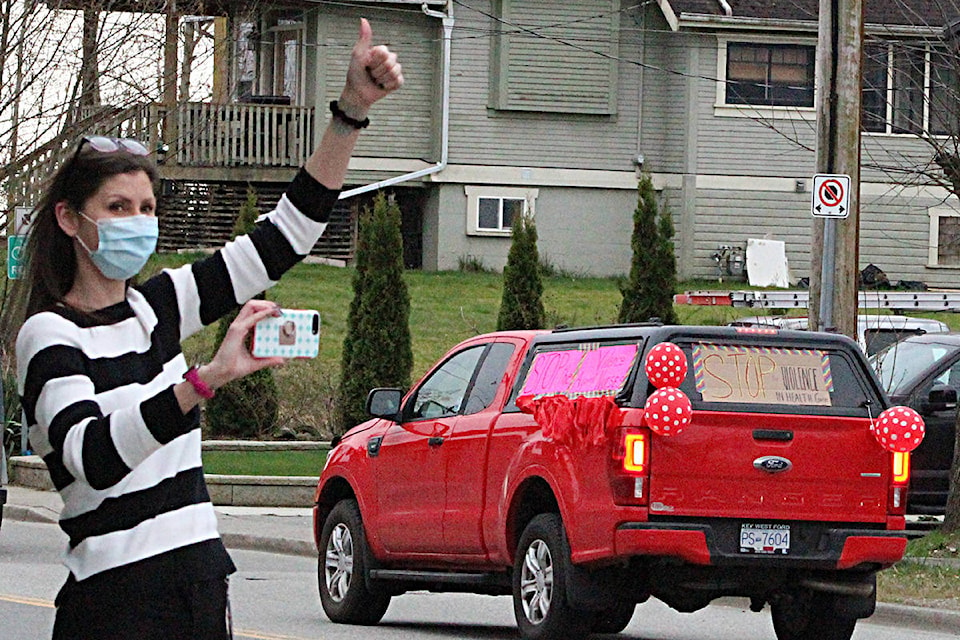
125, 244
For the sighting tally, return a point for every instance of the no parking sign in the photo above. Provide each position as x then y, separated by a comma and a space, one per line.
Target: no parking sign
17, 242
831, 196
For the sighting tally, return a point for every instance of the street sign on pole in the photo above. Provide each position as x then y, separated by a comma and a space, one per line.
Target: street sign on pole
831, 196
15, 256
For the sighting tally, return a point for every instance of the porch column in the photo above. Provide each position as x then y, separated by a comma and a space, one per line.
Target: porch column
170, 132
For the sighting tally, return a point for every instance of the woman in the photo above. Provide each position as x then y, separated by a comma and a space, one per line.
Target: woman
110, 402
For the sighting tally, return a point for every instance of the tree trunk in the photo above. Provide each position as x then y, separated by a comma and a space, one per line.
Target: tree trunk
951, 522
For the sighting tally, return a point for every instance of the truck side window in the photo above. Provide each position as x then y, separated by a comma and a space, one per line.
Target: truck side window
442, 394
488, 379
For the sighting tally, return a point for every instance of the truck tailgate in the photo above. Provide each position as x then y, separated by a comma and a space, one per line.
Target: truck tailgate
825, 469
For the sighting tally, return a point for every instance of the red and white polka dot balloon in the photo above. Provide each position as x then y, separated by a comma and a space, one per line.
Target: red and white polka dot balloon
666, 365
668, 411
898, 429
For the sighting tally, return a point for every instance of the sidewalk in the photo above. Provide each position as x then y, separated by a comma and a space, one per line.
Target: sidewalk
289, 530
274, 529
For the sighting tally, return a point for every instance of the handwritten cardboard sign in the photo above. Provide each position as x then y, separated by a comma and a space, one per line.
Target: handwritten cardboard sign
581, 372
762, 375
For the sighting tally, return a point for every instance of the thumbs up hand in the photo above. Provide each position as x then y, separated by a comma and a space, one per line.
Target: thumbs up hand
373, 74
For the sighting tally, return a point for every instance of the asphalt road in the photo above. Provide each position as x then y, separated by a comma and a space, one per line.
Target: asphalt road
274, 597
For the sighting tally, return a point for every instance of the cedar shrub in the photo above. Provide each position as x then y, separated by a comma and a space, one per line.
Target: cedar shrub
377, 349
521, 306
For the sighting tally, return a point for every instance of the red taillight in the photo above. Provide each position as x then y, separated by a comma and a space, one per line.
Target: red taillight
901, 468
899, 479
629, 467
635, 452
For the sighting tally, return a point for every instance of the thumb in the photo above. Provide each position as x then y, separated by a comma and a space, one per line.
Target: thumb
366, 34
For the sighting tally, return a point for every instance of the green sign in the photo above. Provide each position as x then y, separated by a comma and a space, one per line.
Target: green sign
15, 248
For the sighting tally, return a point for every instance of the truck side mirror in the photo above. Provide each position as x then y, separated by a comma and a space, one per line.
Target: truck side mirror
940, 398
385, 403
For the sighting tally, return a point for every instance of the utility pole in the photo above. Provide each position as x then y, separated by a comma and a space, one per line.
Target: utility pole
834, 271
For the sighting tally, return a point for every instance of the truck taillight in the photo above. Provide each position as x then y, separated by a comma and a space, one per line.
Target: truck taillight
630, 466
901, 468
899, 479
635, 452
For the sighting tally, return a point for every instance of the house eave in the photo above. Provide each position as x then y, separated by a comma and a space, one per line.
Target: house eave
735, 23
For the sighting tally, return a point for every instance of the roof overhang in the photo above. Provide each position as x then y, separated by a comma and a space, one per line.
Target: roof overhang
206, 7
703, 21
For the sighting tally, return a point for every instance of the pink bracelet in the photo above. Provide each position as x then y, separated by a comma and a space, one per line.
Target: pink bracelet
202, 388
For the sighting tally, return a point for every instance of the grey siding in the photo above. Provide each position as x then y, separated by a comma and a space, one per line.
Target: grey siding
582, 231
404, 125
663, 133
480, 135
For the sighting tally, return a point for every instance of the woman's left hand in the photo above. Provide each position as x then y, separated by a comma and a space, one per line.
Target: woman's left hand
373, 73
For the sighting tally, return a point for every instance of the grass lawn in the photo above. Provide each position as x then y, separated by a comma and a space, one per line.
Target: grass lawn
264, 463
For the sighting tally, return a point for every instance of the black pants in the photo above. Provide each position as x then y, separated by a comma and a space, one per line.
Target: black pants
126, 609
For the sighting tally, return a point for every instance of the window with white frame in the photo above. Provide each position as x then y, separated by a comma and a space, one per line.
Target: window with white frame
769, 74
491, 211
910, 87
944, 237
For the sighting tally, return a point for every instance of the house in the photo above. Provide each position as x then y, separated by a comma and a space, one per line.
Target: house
553, 109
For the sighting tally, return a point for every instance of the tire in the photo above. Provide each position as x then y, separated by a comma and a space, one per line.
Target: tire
540, 601
806, 615
342, 568
614, 619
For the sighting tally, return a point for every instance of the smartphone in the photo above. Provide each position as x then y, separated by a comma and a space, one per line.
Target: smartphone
294, 334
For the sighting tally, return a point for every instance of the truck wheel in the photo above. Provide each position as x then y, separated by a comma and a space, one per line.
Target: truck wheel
805, 615
540, 601
615, 619
342, 569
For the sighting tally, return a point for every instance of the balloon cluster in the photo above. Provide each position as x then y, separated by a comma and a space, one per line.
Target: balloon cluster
668, 410
898, 429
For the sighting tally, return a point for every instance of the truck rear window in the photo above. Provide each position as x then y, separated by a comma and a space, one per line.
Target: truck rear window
767, 378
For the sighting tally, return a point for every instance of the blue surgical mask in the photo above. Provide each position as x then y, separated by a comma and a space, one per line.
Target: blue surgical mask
125, 245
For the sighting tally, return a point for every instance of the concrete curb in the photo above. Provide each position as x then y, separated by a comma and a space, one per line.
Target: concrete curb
270, 545
929, 619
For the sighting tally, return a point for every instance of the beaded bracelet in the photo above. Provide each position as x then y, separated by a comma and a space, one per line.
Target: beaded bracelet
202, 388
343, 117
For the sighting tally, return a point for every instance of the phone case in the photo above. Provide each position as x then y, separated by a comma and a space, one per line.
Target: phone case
295, 334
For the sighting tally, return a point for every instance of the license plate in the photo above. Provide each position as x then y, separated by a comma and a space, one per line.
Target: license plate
765, 538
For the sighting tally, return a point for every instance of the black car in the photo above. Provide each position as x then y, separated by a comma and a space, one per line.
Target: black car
923, 372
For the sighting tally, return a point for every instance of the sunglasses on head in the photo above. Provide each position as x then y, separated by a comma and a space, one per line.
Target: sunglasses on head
106, 144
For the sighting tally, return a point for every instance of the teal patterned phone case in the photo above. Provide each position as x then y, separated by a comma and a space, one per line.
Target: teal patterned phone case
295, 334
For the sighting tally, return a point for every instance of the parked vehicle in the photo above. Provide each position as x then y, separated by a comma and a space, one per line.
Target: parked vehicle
874, 332
923, 372
776, 490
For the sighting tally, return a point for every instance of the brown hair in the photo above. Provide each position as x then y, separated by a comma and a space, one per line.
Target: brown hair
51, 260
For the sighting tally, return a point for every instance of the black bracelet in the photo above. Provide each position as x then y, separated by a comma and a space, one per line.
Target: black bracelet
340, 115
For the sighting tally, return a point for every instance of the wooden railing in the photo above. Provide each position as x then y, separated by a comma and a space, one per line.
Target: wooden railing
223, 135
209, 135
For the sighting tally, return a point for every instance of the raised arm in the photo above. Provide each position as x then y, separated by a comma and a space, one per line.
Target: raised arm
373, 74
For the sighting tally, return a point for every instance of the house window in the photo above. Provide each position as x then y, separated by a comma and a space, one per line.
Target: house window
909, 88
779, 75
944, 237
491, 211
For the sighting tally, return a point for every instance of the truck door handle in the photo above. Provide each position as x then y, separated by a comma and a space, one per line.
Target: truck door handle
435, 441
780, 435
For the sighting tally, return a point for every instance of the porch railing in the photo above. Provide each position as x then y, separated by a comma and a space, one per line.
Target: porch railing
209, 135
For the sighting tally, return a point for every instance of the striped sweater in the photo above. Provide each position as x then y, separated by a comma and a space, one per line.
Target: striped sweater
97, 395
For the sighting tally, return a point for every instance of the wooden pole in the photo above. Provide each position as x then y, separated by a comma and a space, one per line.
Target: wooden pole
839, 51
171, 36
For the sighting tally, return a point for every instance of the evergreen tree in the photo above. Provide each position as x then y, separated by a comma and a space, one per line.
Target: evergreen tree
648, 292
521, 306
247, 407
377, 349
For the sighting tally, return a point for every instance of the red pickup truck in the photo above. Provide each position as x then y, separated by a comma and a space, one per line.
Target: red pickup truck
533, 464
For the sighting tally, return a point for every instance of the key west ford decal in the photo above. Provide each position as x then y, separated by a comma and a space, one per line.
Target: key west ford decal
762, 375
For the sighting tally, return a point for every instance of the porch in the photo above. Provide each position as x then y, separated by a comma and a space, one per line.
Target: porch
214, 152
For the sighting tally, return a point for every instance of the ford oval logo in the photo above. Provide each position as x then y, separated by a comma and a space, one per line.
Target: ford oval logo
772, 464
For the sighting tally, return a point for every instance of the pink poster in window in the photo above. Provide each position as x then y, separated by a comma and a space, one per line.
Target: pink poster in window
587, 372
